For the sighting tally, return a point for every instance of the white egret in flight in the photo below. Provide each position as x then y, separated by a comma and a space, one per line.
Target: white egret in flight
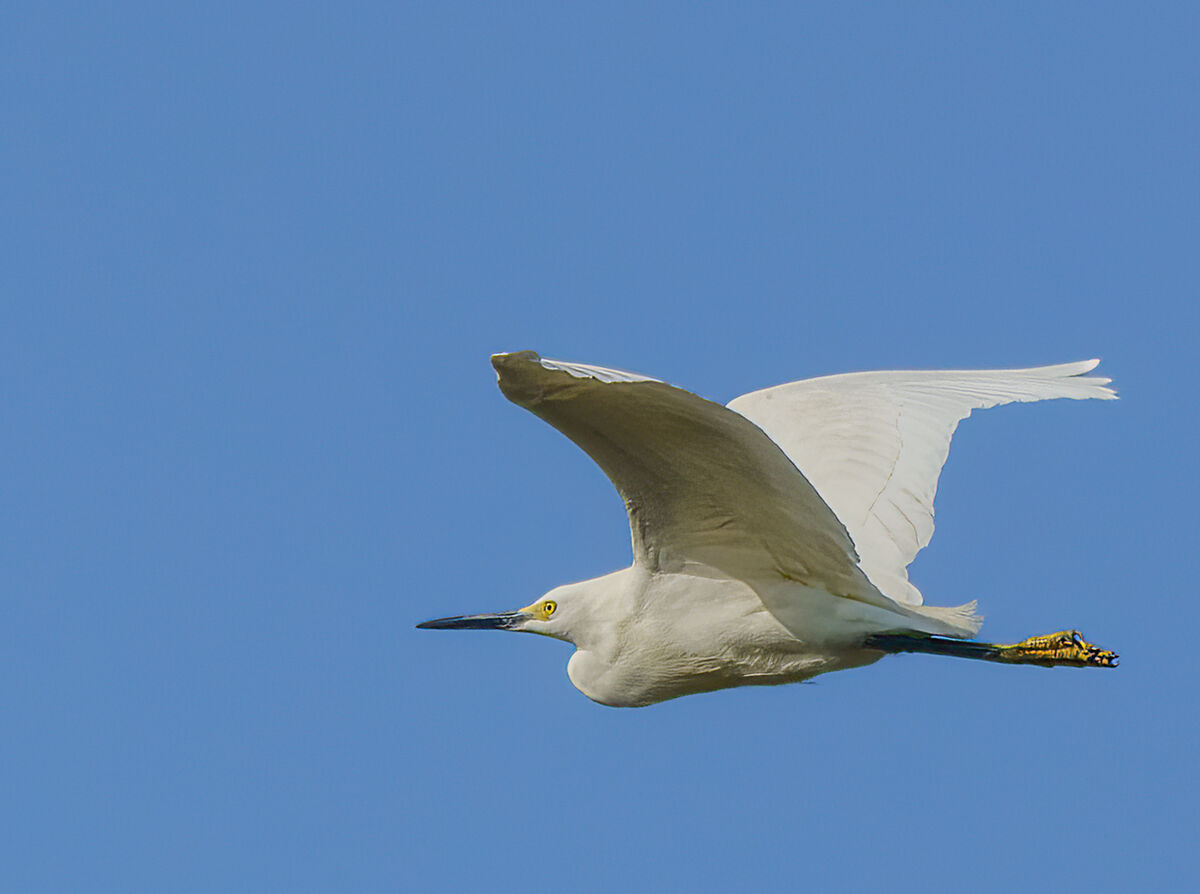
772, 536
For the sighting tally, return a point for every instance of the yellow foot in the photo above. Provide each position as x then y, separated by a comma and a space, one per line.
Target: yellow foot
1065, 648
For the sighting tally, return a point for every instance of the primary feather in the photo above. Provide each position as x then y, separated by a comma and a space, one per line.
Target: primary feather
873, 445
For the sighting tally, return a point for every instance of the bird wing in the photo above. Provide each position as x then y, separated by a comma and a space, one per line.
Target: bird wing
701, 483
873, 445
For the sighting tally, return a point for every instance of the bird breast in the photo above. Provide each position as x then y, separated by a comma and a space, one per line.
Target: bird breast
691, 632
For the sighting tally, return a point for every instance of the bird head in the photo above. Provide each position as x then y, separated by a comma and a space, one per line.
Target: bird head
549, 616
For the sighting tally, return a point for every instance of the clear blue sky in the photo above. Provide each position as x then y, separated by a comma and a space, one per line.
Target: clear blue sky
253, 260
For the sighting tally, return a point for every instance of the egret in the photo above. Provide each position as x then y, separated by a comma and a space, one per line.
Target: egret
771, 536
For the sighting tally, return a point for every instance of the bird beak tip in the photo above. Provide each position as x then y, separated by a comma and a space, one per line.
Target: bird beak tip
500, 621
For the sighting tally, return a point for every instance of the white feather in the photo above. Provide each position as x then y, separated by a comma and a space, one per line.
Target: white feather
874, 443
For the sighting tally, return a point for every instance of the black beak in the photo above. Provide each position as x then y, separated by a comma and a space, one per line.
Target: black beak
500, 621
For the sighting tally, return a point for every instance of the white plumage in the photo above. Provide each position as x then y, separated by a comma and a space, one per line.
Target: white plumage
873, 445
771, 538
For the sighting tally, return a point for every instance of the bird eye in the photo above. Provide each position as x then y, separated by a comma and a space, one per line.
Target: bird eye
548, 607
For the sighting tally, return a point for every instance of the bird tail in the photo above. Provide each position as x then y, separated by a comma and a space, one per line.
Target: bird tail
961, 621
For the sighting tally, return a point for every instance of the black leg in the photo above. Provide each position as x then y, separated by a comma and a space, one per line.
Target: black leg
1067, 648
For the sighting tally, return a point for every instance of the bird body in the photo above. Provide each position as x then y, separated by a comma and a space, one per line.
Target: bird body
663, 635
771, 538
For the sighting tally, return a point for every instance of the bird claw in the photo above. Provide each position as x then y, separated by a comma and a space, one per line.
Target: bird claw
1067, 647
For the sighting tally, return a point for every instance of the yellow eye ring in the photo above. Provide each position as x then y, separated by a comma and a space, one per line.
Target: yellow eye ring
548, 607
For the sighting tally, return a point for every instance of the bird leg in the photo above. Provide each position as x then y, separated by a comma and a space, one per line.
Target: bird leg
1064, 649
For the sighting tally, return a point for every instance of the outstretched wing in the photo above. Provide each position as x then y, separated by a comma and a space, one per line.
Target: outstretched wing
701, 483
873, 445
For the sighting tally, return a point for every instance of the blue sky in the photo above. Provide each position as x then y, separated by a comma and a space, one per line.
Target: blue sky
254, 260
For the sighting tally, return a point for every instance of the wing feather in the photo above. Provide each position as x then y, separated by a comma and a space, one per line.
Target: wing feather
873, 445
701, 483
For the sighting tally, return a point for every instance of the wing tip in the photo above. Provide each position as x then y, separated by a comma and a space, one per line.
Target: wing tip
514, 361
511, 358
1077, 371
1099, 383
516, 374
